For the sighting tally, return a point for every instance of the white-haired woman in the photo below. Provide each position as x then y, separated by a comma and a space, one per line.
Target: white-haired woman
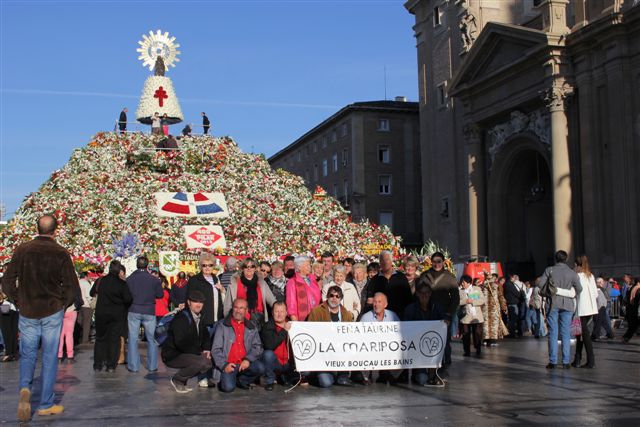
252, 287
361, 281
351, 299
302, 291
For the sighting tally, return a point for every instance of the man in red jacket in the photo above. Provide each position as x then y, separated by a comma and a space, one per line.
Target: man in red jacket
47, 286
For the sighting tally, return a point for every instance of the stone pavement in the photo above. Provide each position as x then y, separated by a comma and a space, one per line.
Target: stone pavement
508, 386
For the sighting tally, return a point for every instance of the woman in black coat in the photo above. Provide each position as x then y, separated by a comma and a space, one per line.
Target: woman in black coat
633, 303
207, 283
114, 299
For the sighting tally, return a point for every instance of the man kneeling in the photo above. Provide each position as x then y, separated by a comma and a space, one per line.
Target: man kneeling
187, 344
236, 350
275, 337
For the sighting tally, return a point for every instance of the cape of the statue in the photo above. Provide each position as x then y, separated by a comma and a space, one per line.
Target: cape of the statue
121, 186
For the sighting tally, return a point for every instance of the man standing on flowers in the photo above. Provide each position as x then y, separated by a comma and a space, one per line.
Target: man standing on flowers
562, 307
41, 281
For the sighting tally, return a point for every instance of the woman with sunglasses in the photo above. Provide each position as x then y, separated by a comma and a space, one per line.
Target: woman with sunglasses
250, 286
207, 283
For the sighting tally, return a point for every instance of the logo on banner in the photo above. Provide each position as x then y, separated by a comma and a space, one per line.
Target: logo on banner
169, 262
305, 346
192, 204
204, 236
431, 344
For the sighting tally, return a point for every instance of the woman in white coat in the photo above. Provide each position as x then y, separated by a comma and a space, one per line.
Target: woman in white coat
351, 299
586, 309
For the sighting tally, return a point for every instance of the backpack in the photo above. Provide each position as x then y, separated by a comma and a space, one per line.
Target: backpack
162, 328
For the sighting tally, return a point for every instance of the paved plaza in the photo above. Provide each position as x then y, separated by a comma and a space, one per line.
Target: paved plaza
508, 386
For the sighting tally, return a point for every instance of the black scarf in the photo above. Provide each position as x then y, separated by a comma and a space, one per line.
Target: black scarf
252, 291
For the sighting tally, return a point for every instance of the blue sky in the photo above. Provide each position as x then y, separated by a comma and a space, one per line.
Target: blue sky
264, 71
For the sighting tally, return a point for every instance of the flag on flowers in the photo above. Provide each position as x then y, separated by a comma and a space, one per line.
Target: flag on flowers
191, 204
169, 262
204, 236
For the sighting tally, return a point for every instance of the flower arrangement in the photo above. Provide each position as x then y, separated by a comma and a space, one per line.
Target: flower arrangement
423, 255
106, 188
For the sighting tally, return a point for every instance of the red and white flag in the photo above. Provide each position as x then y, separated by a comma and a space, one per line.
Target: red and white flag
211, 205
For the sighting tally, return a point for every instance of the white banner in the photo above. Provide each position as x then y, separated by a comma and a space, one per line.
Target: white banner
204, 236
169, 262
209, 205
353, 346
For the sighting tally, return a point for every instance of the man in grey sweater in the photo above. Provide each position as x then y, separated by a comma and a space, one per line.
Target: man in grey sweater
562, 307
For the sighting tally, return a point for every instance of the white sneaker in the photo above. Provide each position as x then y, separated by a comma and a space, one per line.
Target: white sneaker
204, 383
180, 388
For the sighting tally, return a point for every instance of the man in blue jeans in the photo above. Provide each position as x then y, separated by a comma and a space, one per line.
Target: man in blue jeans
145, 288
47, 286
561, 308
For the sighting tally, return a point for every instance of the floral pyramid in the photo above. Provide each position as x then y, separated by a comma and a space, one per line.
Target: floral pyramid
106, 189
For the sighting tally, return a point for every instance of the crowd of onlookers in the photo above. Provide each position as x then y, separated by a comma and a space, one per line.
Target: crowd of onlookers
113, 309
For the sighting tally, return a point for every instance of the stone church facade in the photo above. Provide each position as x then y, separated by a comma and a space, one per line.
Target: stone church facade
530, 129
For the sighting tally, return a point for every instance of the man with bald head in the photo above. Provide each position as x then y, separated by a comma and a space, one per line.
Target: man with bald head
236, 350
379, 313
41, 281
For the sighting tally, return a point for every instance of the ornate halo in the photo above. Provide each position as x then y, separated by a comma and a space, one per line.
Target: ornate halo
158, 44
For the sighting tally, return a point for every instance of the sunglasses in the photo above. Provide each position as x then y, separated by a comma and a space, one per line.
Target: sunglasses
264, 270
438, 261
333, 296
250, 266
207, 265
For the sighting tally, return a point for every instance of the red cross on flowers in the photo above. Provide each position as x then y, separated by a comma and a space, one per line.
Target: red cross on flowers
161, 94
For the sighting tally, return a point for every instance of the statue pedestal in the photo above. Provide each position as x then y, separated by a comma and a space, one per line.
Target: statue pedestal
158, 96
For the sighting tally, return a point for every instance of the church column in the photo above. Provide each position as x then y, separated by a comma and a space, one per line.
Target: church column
476, 192
555, 98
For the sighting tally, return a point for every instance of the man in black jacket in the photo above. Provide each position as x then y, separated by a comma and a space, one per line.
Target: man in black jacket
445, 293
275, 336
187, 344
205, 123
122, 120
514, 296
392, 283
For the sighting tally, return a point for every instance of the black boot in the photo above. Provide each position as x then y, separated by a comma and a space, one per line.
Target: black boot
576, 361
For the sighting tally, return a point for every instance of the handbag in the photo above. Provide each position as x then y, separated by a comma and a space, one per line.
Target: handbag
576, 327
549, 289
462, 312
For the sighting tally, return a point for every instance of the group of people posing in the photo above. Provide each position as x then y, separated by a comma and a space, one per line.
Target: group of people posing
231, 329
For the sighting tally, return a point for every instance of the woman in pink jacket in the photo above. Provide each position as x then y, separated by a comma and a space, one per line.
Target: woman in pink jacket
302, 292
